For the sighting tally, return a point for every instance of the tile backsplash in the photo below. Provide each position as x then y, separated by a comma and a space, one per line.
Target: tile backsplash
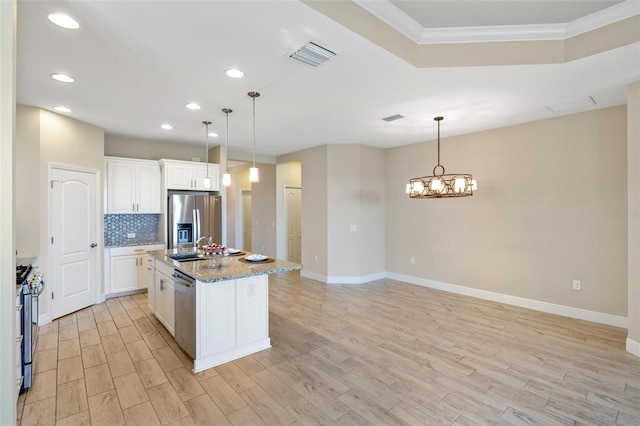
117, 226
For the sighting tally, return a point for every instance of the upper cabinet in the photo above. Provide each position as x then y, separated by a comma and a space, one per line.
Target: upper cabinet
133, 186
188, 175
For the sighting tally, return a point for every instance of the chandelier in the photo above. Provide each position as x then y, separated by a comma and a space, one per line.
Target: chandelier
441, 185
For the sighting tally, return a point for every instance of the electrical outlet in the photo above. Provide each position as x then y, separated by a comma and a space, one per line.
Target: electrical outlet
252, 289
316, 257
131, 235
412, 260
577, 285
353, 228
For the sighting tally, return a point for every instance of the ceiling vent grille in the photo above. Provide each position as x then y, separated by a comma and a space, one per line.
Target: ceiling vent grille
393, 117
312, 54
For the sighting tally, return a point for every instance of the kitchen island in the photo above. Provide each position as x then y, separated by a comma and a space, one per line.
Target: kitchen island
217, 314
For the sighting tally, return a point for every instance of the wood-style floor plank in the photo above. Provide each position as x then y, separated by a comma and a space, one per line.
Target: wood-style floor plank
381, 353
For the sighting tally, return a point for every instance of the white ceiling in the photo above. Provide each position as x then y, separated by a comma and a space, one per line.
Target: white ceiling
474, 13
136, 63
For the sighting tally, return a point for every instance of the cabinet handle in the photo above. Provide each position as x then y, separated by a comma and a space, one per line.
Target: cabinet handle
19, 339
137, 207
161, 285
136, 262
18, 308
133, 207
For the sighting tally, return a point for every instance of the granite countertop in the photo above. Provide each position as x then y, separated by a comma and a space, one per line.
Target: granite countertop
133, 243
232, 268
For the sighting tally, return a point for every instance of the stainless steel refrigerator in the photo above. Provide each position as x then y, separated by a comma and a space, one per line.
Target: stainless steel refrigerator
191, 216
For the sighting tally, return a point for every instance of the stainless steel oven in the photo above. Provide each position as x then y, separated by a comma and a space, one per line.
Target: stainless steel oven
30, 279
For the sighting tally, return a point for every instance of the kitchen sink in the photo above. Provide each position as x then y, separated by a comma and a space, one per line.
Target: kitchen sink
185, 257
189, 259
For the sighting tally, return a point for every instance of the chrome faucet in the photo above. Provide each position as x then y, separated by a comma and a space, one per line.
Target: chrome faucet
206, 240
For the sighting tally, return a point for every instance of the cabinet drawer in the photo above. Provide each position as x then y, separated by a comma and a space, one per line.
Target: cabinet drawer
133, 250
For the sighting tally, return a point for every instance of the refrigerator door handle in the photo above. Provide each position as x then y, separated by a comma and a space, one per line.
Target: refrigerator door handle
198, 223
196, 232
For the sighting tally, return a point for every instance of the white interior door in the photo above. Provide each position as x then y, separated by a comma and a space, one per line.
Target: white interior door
73, 260
293, 208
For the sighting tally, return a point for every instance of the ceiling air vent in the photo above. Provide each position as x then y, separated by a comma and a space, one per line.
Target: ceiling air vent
312, 54
393, 117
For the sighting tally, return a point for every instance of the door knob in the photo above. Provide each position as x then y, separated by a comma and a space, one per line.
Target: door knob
92, 245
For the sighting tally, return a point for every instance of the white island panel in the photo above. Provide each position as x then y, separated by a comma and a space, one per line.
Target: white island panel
253, 309
216, 318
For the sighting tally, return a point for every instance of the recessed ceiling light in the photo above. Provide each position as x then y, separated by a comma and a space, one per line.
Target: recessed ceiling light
62, 109
213, 135
192, 105
64, 21
234, 73
167, 126
63, 78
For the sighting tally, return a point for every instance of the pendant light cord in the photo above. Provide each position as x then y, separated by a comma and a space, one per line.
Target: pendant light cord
438, 139
226, 148
206, 129
254, 132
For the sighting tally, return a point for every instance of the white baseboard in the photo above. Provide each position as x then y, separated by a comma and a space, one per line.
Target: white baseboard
356, 280
633, 347
312, 275
342, 280
43, 319
567, 311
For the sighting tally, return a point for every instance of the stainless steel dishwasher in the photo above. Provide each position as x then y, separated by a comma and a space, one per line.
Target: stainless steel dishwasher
185, 311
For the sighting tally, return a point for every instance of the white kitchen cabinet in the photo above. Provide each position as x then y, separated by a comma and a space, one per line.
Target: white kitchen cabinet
232, 320
149, 280
126, 268
133, 186
163, 296
188, 175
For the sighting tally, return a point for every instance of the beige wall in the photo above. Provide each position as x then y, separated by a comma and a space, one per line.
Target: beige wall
633, 212
46, 138
343, 186
28, 181
263, 211
372, 210
546, 212
263, 208
314, 207
356, 182
120, 146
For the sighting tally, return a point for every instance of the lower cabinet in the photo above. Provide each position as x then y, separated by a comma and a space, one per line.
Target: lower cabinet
126, 268
151, 274
163, 297
232, 320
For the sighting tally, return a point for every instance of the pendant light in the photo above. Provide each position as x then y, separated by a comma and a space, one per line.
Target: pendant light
441, 185
226, 177
207, 179
253, 171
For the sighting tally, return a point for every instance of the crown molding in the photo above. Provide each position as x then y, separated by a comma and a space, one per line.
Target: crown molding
396, 18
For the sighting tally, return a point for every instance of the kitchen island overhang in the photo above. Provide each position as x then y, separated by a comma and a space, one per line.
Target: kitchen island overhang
230, 307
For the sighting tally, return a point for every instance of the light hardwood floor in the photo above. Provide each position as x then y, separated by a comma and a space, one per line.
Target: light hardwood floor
382, 353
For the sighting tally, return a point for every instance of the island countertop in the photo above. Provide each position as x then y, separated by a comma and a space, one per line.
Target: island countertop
231, 269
